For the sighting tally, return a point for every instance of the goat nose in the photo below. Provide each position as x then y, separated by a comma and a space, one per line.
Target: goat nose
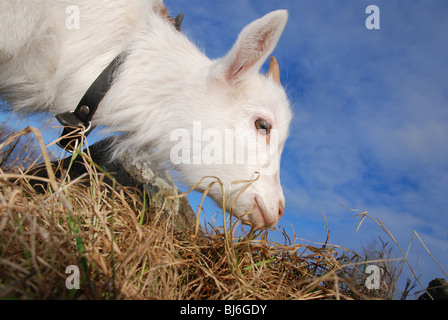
281, 209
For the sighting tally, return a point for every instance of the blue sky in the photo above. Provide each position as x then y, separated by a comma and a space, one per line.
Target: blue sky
370, 115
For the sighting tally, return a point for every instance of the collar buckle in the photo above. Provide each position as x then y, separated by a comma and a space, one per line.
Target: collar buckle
74, 130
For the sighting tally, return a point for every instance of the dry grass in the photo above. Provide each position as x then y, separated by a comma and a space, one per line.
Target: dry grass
104, 231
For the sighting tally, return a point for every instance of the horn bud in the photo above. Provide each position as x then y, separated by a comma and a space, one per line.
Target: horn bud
176, 22
274, 70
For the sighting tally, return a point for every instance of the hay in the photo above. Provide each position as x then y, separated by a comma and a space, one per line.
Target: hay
104, 231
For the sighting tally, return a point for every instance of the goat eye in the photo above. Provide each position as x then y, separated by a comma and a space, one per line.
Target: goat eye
262, 124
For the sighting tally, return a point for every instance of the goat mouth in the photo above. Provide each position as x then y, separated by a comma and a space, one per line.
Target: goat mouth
263, 213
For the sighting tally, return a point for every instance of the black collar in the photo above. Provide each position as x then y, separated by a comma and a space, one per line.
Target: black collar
79, 120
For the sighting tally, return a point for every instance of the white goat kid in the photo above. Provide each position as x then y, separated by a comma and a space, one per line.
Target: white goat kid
166, 94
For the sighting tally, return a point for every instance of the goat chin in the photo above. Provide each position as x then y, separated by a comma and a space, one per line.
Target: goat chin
258, 202
52, 51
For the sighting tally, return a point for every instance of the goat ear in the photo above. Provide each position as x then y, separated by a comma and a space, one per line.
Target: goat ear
255, 43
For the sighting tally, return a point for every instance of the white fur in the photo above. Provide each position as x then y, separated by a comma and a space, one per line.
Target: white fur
166, 83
